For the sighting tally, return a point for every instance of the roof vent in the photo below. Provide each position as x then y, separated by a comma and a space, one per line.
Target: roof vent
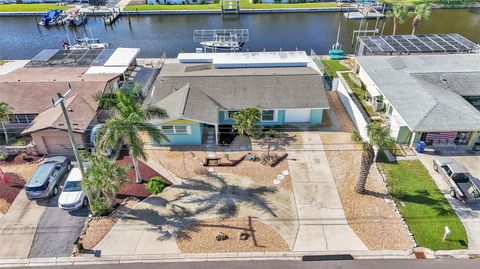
444, 80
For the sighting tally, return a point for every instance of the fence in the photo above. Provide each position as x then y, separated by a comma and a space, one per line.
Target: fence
352, 105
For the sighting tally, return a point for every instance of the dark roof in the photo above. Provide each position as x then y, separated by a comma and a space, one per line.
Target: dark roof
205, 90
461, 83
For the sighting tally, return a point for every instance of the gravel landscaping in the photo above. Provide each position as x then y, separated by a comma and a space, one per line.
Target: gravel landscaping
373, 216
260, 237
187, 162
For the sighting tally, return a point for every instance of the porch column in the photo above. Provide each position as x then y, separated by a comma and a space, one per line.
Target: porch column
216, 134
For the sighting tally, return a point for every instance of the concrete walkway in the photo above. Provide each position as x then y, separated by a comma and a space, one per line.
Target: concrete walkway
323, 226
18, 227
469, 214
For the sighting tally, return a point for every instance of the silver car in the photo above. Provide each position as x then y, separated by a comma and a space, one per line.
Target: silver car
463, 185
47, 177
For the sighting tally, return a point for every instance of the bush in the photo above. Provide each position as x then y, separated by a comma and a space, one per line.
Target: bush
100, 206
155, 185
20, 142
3, 156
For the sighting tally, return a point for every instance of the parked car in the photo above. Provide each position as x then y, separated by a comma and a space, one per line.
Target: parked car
463, 185
72, 196
47, 177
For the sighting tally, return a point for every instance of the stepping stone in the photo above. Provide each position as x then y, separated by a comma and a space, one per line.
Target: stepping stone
210, 137
285, 172
210, 141
280, 177
277, 181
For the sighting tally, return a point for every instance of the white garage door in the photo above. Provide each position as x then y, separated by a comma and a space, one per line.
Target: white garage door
57, 144
297, 115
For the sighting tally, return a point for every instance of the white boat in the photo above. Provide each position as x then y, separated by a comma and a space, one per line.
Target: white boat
224, 41
74, 17
86, 43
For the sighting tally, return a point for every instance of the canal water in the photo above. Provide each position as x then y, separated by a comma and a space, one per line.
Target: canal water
21, 38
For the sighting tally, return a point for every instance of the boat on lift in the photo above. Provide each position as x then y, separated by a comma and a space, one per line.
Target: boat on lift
74, 17
51, 17
85, 43
224, 41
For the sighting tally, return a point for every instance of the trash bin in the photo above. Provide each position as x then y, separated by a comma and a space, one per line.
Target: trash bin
420, 146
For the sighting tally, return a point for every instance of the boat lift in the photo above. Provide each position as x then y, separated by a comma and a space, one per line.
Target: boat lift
235, 38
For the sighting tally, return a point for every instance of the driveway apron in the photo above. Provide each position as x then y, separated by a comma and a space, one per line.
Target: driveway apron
323, 225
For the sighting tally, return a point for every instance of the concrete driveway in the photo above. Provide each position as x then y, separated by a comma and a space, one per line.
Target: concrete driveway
57, 230
469, 214
18, 226
323, 225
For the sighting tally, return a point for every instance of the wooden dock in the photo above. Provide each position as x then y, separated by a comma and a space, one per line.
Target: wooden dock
230, 7
364, 12
112, 16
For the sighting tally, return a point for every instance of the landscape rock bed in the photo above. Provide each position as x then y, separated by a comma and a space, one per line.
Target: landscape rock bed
9, 191
262, 238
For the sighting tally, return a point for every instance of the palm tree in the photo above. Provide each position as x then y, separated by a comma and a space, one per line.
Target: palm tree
399, 14
103, 179
380, 138
246, 120
129, 122
5, 114
421, 12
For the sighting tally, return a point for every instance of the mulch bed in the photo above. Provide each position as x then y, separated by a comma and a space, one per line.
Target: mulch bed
131, 188
10, 190
18, 160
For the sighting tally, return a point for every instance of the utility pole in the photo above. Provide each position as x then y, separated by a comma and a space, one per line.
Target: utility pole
61, 101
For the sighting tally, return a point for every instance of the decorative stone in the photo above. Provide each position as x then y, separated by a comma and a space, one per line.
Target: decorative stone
221, 237
280, 177
244, 235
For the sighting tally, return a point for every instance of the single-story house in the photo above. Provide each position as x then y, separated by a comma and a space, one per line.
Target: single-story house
200, 92
426, 97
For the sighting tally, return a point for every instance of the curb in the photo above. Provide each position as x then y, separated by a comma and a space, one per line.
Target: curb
200, 257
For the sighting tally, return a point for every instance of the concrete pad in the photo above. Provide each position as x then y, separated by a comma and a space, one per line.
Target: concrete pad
150, 243
18, 227
339, 238
311, 238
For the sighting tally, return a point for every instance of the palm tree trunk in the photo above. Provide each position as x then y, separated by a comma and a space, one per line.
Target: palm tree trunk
138, 176
5, 131
394, 26
415, 23
367, 161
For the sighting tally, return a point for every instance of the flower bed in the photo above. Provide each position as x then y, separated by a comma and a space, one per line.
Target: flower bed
9, 191
19, 160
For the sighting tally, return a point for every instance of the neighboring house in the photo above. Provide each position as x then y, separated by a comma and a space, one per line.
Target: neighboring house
29, 91
201, 92
426, 97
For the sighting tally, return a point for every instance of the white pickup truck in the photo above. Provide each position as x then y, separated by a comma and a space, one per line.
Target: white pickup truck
463, 185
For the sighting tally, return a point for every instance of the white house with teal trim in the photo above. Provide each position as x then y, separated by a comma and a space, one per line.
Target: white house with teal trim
202, 91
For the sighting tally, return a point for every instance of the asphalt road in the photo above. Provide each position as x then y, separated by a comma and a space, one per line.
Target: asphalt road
57, 230
354, 264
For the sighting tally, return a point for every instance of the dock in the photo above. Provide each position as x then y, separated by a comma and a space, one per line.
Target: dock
230, 7
364, 12
112, 16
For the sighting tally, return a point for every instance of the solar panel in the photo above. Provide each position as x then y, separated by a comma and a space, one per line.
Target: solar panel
424, 43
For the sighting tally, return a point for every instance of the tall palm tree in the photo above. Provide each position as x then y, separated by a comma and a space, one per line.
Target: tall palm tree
399, 14
5, 113
103, 178
129, 122
421, 12
380, 138
246, 120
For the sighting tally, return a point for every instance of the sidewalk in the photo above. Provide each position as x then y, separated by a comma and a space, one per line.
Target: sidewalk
18, 227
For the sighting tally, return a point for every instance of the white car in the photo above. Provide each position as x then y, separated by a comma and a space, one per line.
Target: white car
72, 196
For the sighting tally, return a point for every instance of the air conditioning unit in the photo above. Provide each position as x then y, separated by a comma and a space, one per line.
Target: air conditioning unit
378, 104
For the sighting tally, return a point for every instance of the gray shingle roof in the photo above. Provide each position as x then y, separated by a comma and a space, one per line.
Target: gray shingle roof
212, 89
417, 92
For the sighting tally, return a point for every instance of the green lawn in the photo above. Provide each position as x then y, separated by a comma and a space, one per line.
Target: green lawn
360, 93
332, 66
425, 209
2, 62
244, 4
31, 7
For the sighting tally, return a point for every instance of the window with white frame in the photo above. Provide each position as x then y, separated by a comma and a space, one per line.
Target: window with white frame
22, 118
268, 115
176, 129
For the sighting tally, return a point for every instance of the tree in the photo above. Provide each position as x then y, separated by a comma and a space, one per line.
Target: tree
130, 121
399, 14
5, 114
246, 121
421, 12
102, 181
379, 138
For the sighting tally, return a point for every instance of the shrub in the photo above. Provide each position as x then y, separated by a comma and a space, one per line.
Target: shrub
20, 142
3, 156
155, 185
101, 206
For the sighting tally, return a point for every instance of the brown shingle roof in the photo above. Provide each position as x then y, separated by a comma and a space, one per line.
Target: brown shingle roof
80, 113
